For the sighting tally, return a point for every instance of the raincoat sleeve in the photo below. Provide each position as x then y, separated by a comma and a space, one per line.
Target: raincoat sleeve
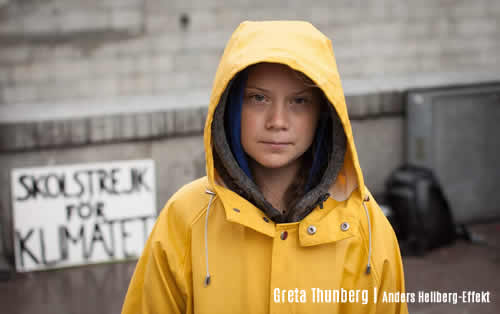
387, 263
160, 280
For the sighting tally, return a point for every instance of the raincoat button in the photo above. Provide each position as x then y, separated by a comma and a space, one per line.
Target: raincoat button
311, 230
284, 235
265, 219
344, 226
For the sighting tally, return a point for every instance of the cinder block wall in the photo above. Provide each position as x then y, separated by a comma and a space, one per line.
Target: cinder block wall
58, 50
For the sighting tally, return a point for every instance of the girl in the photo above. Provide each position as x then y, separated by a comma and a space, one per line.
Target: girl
283, 222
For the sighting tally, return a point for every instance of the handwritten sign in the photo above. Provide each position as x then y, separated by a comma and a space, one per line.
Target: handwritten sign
82, 214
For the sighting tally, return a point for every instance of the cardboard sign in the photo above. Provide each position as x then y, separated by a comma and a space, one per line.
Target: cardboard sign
82, 214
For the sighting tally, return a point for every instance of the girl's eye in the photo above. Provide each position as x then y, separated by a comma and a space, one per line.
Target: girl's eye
301, 100
259, 98
256, 98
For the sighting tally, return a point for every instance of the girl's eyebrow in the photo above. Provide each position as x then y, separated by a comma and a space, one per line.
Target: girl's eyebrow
259, 88
303, 91
268, 91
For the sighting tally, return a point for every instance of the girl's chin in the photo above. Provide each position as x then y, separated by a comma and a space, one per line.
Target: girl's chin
275, 164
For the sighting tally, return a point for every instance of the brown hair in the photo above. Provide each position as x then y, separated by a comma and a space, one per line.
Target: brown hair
297, 188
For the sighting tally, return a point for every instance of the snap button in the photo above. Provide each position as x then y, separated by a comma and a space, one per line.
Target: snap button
311, 230
265, 219
284, 235
344, 226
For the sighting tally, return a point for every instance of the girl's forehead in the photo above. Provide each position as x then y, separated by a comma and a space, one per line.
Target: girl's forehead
269, 75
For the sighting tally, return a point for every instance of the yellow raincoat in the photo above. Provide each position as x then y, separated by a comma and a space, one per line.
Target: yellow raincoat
342, 258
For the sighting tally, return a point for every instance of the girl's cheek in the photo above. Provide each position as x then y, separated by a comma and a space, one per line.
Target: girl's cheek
249, 122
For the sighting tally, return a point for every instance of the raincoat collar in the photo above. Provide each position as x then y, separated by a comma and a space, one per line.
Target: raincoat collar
327, 221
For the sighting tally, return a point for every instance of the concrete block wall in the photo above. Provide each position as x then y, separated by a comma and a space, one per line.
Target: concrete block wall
51, 51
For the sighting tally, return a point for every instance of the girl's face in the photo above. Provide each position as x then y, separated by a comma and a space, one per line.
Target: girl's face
279, 115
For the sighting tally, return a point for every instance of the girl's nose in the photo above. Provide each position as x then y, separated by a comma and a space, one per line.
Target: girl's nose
277, 117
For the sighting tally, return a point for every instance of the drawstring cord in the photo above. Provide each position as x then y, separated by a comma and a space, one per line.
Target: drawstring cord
212, 194
368, 266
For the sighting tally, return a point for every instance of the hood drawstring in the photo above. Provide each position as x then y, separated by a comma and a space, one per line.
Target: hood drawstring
368, 266
212, 194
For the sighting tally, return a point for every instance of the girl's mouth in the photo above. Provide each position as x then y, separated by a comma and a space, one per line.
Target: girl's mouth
276, 145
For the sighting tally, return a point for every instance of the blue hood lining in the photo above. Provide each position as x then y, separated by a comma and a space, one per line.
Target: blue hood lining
233, 121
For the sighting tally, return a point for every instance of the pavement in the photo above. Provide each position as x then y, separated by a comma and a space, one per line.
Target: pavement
463, 266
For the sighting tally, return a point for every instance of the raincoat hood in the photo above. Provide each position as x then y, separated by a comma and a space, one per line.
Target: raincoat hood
303, 48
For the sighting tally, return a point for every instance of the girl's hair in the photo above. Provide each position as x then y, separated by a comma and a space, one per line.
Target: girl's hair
297, 188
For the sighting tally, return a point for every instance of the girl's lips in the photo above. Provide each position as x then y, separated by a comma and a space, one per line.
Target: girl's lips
276, 145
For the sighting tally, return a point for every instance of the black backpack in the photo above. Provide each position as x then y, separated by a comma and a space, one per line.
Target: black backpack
422, 218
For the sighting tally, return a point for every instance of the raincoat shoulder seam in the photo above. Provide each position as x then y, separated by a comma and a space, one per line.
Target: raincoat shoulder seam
188, 236
203, 210
195, 216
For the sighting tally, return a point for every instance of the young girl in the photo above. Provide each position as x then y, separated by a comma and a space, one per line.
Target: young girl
283, 222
